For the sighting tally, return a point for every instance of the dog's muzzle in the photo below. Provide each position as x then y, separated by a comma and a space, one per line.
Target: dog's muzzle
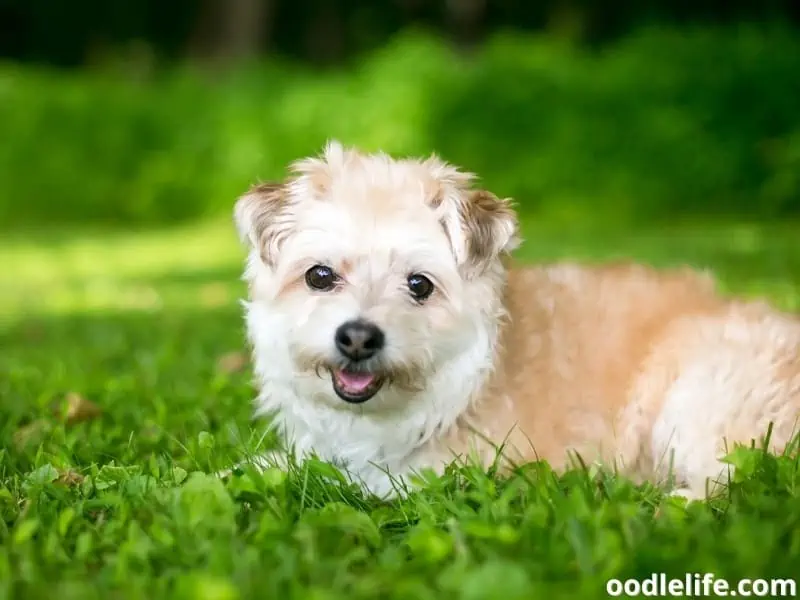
357, 341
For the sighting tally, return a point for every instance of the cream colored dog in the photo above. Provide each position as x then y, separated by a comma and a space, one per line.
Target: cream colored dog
389, 336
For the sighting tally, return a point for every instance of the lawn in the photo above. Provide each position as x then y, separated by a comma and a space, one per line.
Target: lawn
123, 386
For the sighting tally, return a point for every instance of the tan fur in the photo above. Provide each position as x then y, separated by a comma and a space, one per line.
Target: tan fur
575, 340
588, 355
652, 371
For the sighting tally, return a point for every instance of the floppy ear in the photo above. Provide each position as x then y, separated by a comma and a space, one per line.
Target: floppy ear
262, 220
491, 227
481, 227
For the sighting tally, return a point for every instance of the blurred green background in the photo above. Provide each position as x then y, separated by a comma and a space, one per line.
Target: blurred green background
134, 112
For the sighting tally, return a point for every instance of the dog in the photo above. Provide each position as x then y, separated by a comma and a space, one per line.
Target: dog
392, 333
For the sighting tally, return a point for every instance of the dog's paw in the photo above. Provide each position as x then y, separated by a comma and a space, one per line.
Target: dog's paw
687, 494
698, 494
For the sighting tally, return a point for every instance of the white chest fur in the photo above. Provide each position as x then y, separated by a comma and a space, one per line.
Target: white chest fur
379, 441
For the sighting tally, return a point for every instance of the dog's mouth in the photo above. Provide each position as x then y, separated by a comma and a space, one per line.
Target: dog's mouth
355, 386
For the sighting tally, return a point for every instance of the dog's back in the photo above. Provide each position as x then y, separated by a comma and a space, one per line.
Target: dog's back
628, 363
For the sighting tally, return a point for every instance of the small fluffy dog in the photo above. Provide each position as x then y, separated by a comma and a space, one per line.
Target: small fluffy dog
390, 334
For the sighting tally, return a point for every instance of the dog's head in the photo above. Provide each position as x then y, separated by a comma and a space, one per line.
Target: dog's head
378, 270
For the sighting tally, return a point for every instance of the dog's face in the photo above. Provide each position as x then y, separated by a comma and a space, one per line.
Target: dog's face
377, 271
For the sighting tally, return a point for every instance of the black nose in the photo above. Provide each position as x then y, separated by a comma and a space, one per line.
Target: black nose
359, 340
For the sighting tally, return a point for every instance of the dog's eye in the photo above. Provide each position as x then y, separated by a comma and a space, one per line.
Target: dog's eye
419, 286
320, 277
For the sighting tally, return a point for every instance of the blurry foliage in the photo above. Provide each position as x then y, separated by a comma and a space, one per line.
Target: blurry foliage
329, 31
663, 123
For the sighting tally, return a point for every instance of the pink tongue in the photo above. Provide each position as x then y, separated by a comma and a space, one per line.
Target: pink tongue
355, 382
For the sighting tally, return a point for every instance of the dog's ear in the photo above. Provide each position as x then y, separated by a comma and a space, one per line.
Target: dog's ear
481, 227
491, 227
260, 218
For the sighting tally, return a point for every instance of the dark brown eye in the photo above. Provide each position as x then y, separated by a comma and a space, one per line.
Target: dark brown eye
320, 277
419, 286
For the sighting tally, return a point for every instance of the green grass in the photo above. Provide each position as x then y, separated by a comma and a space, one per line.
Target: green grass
122, 505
